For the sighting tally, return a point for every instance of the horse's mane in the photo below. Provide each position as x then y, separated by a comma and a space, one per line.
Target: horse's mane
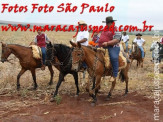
61, 48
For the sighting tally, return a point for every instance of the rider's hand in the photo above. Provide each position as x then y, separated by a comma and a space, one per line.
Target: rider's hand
105, 44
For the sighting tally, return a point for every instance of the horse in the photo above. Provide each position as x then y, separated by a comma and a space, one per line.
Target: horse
96, 67
136, 54
26, 60
63, 54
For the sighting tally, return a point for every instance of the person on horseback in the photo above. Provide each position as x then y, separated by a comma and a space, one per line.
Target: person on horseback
125, 39
110, 40
83, 36
140, 42
95, 39
40, 40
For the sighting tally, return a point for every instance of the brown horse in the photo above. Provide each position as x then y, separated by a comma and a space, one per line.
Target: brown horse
136, 54
96, 67
27, 62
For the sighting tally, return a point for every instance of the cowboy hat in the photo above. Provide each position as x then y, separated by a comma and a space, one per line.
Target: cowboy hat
109, 19
138, 34
81, 22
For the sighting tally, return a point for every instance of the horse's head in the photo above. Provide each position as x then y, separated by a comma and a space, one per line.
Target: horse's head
134, 47
5, 52
77, 56
49, 53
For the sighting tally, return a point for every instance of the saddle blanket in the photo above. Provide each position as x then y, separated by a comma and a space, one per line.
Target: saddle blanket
36, 51
122, 59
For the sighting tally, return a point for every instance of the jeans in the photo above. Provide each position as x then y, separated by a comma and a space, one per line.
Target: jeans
142, 51
126, 43
43, 54
114, 59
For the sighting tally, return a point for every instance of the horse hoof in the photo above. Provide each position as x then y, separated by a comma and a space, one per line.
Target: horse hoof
50, 83
93, 104
52, 99
77, 95
18, 89
125, 94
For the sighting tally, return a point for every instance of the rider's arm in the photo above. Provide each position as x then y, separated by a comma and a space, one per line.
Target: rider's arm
47, 39
83, 40
116, 39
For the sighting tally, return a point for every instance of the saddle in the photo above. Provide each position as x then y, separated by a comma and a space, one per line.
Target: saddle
36, 51
122, 59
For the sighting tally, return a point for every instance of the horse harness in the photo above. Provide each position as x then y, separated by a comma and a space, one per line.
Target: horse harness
96, 59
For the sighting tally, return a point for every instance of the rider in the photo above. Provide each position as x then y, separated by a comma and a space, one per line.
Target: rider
140, 42
125, 39
83, 36
95, 39
110, 40
40, 40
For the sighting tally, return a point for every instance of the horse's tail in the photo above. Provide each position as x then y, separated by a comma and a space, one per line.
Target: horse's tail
122, 76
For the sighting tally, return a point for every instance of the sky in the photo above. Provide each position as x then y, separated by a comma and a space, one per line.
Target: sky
126, 12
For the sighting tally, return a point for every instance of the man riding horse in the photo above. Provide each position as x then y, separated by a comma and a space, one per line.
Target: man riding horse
140, 42
110, 40
41, 40
82, 37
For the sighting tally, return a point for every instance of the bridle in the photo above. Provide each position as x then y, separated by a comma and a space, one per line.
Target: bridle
52, 59
80, 56
6, 49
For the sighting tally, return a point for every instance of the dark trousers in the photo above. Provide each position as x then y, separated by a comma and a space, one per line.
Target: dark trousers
114, 59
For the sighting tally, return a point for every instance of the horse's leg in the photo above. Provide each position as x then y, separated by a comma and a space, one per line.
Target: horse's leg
88, 83
97, 81
34, 78
18, 77
111, 89
142, 63
75, 74
61, 78
52, 74
93, 79
125, 73
131, 62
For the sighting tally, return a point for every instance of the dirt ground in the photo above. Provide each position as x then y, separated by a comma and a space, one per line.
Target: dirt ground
34, 106
131, 108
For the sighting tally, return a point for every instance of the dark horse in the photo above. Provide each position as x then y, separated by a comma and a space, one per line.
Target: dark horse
63, 54
27, 62
136, 54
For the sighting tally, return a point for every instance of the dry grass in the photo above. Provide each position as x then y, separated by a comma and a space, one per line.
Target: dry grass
141, 79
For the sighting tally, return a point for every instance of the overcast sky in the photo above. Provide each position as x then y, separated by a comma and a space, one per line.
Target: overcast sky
126, 12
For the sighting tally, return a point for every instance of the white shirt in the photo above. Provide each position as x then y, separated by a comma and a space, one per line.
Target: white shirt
81, 35
139, 41
125, 38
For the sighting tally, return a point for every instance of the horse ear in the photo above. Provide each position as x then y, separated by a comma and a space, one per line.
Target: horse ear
73, 44
79, 45
3, 44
